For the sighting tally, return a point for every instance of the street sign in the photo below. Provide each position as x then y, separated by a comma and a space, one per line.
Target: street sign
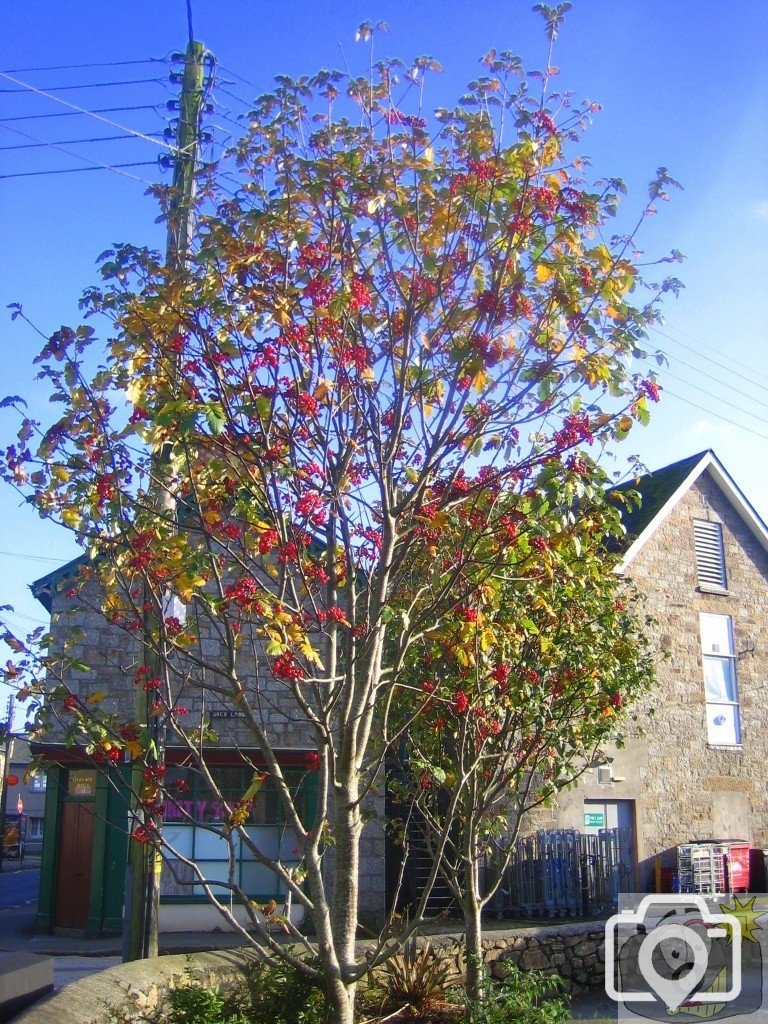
13, 780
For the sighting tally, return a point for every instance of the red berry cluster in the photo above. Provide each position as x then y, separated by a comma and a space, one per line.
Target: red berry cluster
460, 702
307, 404
285, 666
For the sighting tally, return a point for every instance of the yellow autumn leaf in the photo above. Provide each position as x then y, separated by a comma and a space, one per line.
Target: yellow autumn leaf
603, 256
135, 390
311, 654
134, 749
321, 391
544, 272
97, 698
280, 312
70, 517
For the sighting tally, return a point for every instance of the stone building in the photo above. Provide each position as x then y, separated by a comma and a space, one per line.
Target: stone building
83, 871
698, 770
26, 796
699, 551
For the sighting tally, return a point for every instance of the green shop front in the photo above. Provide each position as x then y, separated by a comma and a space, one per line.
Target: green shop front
86, 840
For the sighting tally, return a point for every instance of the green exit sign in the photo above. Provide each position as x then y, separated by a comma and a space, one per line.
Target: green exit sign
594, 819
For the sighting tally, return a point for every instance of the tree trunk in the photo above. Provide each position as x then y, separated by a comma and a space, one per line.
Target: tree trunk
346, 871
473, 946
341, 1002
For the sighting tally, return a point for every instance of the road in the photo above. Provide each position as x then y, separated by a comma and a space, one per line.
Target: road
18, 887
18, 904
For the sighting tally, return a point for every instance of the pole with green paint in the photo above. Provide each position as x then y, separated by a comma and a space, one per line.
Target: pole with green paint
140, 930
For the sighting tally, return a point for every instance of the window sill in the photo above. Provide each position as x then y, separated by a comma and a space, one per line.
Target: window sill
733, 748
722, 591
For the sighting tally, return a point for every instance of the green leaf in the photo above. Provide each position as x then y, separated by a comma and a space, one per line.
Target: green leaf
214, 417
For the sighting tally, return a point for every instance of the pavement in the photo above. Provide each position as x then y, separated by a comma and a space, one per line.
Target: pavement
75, 957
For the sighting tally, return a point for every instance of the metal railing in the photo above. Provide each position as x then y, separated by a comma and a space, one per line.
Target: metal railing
564, 873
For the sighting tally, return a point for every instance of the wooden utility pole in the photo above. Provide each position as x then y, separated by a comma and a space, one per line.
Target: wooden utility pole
142, 897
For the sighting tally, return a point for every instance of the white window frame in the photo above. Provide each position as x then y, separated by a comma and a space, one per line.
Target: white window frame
720, 652
35, 828
39, 782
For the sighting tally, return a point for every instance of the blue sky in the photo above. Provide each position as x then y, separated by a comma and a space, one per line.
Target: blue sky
682, 84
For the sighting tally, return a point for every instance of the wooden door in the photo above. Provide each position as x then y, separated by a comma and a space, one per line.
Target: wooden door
73, 883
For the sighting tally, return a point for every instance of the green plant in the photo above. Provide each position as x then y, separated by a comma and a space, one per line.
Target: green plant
281, 995
418, 976
195, 1003
525, 997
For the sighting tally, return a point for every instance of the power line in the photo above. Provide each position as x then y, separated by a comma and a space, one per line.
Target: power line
708, 409
98, 167
96, 64
190, 29
91, 85
228, 92
240, 78
738, 390
723, 366
97, 110
717, 398
82, 110
68, 142
704, 344
69, 152
31, 558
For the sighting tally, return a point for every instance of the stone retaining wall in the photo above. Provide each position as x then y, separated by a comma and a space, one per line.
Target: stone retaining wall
126, 992
575, 952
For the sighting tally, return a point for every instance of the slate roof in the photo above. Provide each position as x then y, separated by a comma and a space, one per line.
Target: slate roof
655, 490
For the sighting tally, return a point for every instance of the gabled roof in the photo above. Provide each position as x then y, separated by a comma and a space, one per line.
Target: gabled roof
660, 492
664, 488
44, 588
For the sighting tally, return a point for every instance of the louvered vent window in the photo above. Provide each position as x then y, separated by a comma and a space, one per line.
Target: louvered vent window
710, 558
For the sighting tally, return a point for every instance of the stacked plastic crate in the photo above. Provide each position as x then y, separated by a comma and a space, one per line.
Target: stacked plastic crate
708, 868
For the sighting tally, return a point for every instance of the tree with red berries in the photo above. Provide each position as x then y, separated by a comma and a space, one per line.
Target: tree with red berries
395, 318
517, 690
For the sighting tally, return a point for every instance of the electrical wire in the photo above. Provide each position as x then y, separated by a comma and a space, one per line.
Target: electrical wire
98, 167
674, 359
96, 64
69, 152
32, 558
82, 110
68, 142
240, 78
91, 85
716, 398
704, 344
228, 92
708, 359
97, 110
708, 409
